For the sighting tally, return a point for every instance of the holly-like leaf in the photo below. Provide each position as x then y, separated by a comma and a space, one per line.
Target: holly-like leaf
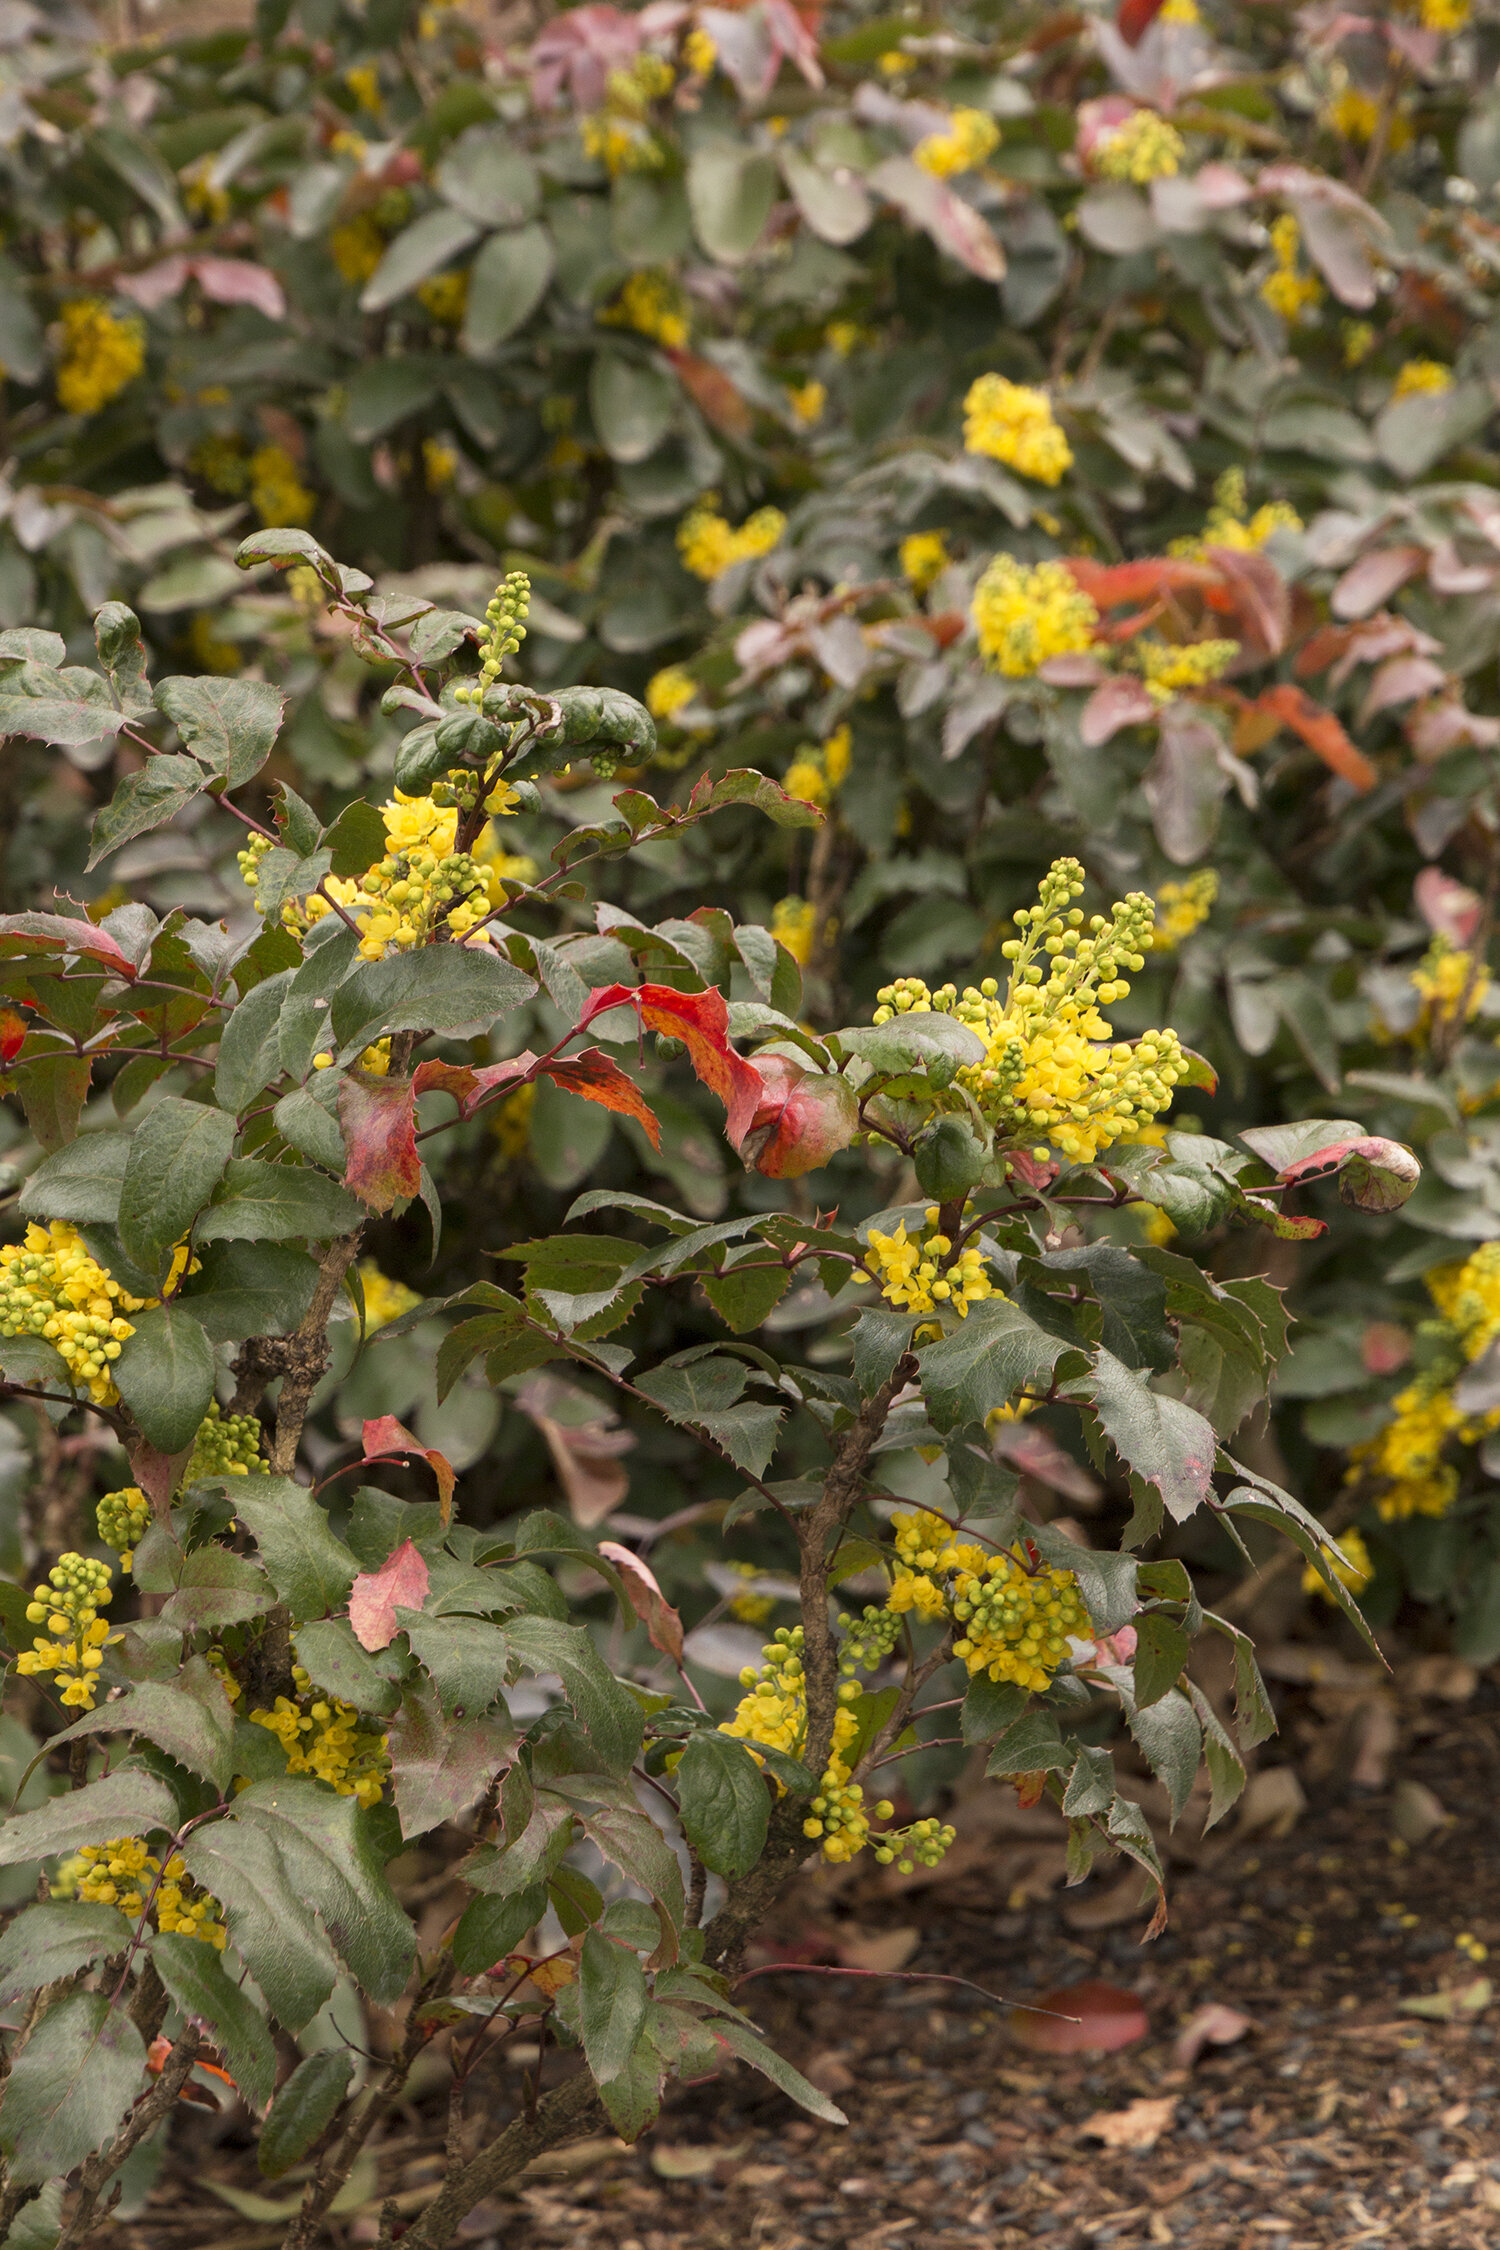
378, 1118
45, 1943
177, 1157
144, 800
268, 1913
195, 1979
449, 988
385, 1439
261, 1202
311, 1570
612, 2003
989, 1357
304, 2108
1168, 1445
725, 1804
701, 1021
69, 2086
441, 1765
401, 1582
121, 1804
165, 1374
229, 725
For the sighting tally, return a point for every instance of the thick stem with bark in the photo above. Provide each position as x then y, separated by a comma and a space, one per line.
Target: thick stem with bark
566, 2114
101, 2169
306, 1354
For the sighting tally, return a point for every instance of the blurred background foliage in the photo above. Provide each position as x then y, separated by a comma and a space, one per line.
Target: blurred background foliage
1019, 430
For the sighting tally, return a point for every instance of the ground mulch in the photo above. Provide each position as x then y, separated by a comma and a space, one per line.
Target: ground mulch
1338, 2119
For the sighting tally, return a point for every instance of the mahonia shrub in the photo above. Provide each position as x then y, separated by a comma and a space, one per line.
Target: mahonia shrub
274, 1686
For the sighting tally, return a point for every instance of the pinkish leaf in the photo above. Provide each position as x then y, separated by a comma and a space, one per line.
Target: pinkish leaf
155, 284
1449, 908
1376, 1174
1212, 2025
400, 1583
239, 281
386, 1439
955, 226
378, 1118
62, 933
1372, 580
1401, 680
1087, 2018
802, 1119
662, 1623
586, 1455
1118, 703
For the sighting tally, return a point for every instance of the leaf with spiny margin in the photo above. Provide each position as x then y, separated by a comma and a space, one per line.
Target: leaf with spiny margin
177, 1157
440, 1765
268, 1915
44, 1943
81, 1182
263, 1202
489, 1928
987, 1359
121, 1804
466, 1658
780, 2072
249, 1057
612, 2003
165, 1374
328, 1845
608, 1714
189, 1717
144, 800
311, 1570
446, 988
69, 2086
195, 1979
304, 2107
703, 1395
1161, 1650
229, 725
217, 1587
725, 1805
1032, 1743
1168, 1736
1167, 1444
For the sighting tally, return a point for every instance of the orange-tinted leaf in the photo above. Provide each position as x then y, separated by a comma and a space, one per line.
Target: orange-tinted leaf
1103, 2018
662, 1623
802, 1118
701, 1021
1321, 731
599, 1078
12, 1035
60, 933
378, 1117
713, 394
1136, 18
386, 1439
470, 1087
400, 1583
1109, 584
1259, 600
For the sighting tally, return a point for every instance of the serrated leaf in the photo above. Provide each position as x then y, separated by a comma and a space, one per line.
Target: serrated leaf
980, 1367
121, 1804
725, 1805
177, 1156
45, 1942
262, 1202
249, 1056
311, 1570
1167, 1444
81, 1182
165, 1374
69, 2087
1161, 1650
612, 2001
144, 800
230, 725
1171, 1741
449, 988
441, 1765
765, 2059
608, 1715
188, 1717
305, 2106
466, 1658
328, 1846
195, 1979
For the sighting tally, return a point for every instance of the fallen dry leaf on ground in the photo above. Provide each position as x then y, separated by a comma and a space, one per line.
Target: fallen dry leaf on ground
1212, 2025
1080, 2018
1139, 2126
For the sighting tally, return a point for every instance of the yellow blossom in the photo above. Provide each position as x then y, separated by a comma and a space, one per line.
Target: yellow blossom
669, 691
445, 296
794, 921
439, 463
749, 1607
928, 1274
277, 492
700, 52
1359, 342
654, 305
807, 401
385, 1300
1181, 907
924, 558
363, 82
100, 355
1230, 523
1013, 423
125, 1874
1422, 377
52, 1288
1444, 15
709, 545
1353, 1567
73, 1645
1444, 980
324, 1737
1024, 615
845, 337
510, 1123
1015, 1618
971, 139
357, 247
1290, 290
1354, 115
1170, 667
1144, 147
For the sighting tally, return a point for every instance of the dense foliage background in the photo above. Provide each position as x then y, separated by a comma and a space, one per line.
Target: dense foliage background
1020, 433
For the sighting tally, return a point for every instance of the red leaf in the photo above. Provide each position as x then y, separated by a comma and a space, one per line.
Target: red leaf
1212, 2025
1448, 907
386, 1439
713, 393
599, 1078
12, 1036
1376, 1174
1136, 18
1321, 731
61, 933
1384, 1346
1109, 584
400, 1583
1258, 597
701, 1021
803, 1117
379, 1121
1104, 2018
470, 1087
662, 1623
239, 281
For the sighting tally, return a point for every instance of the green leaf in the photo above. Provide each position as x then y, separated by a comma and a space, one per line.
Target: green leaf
1165, 1443
328, 1845
632, 405
165, 1374
1030, 1744
489, 1928
144, 800
122, 1804
69, 2087
725, 1805
981, 1366
52, 1090
230, 725
250, 1289
268, 1913
262, 1202
878, 1339
449, 988
189, 1717
703, 1394
44, 1943
915, 1043
1161, 1650
612, 2003
441, 1765
356, 839
195, 1979
507, 281
608, 1715
217, 1588
1091, 1784
765, 2059
633, 2096
310, 1569
417, 251
990, 1706
249, 1045
177, 1156
632, 1840
466, 1658
81, 1182
334, 1661
1171, 1741
304, 2108
731, 189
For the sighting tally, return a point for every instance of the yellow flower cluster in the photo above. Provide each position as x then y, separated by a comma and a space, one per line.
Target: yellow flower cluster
817, 775
1169, 667
277, 492
50, 1287
1354, 116
1353, 1568
669, 691
794, 922
1050, 1069
385, 1300
654, 305
202, 195
363, 82
1013, 423
444, 297
1180, 907
1291, 290
121, 1873
1024, 614
709, 545
749, 1607
222, 463
1442, 978
68, 1605
227, 1445
1141, 149
807, 401
100, 355
924, 558
1443, 15
700, 51
123, 1519
924, 1276
971, 139
618, 136
325, 1738
773, 1711
440, 459
1406, 1457
1015, 1619
1420, 378
1231, 524
357, 246
500, 635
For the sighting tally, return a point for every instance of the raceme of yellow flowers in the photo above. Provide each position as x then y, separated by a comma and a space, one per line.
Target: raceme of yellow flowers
100, 354
72, 1647
794, 922
1181, 907
1141, 149
277, 492
1230, 522
818, 774
1015, 1620
669, 691
1405, 1460
50, 1287
1350, 1563
1447, 979
1012, 423
924, 558
1052, 1071
971, 138
919, 1274
1167, 668
1421, 378
324, 1737
618, 136
124, 1873
654, 305
1291, 289
1024, 614
709, 545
